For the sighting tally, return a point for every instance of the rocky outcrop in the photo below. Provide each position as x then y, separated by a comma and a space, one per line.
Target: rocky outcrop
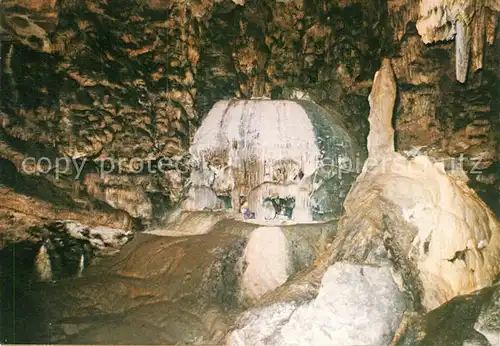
470, 23
453, 122
58, 250
444, 232
467, 320
25, 212
113, 83
180, 288
355, 305
401, 225
380, 142
104, 83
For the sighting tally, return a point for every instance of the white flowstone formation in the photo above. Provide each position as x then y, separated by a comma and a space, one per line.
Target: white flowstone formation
408, 226
382, 97
246, 148
42, 264
457, 245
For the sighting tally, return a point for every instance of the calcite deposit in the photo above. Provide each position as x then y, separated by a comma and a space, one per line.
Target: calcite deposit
92, 80
446, 232
412, 238
214, 126
260, 149
469, 23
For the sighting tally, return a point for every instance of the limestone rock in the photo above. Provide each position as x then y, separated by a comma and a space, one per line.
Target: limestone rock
438, 227
182, 288
120, 193
454, 255
488, 321
266, 263
61, 250
441, 118
142, 92
382, 98
300, 191
465, 320
200, 198
105, 241
183, 223
26, 212
355, 305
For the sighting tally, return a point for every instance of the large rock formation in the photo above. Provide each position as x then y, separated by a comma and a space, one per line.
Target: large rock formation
412, 234
443, 229
118, 89
436, 115
466, 320
470, 23
260, 149
355, 305
130, 82
164, 289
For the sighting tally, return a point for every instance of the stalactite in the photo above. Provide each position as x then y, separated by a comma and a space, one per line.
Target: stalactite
467, 22
462, 50
478, 39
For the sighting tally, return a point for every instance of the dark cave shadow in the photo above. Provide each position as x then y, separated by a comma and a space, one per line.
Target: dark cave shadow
21, 313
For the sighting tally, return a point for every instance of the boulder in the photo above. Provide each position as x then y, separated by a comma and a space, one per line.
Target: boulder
465, 320
266, 263
355, 305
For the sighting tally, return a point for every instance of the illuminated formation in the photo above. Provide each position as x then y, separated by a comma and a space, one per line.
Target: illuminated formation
278, 159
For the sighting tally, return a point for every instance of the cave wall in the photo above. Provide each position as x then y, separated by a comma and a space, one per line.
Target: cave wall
96, 80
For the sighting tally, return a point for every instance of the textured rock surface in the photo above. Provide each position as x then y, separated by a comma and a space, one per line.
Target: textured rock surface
453, 238
437, 116
261, 148
380, 141
163, 289
437, 226
104, 241
59, 250
400, 223
25, 212
266, 263
355, 305
465, 21
466, 320
106, 81
109, 82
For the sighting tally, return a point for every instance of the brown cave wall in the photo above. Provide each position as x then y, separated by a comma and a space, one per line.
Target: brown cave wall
456, 122
96, 80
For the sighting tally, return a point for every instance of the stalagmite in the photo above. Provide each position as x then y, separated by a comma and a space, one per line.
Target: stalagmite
382, 98
439, 226
42, 264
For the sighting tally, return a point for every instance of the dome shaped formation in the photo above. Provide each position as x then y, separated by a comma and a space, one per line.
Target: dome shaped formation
260, 152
